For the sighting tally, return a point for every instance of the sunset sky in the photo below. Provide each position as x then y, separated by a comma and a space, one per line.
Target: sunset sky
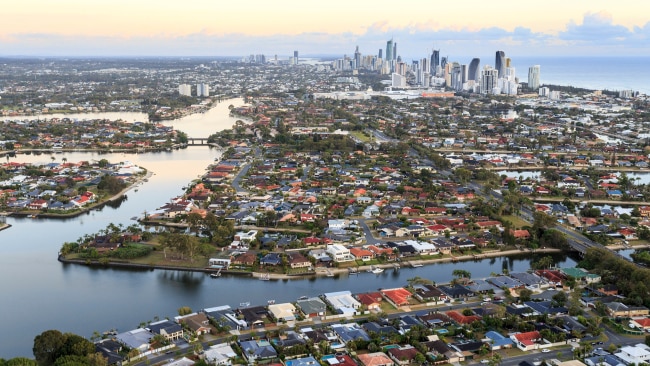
333, 27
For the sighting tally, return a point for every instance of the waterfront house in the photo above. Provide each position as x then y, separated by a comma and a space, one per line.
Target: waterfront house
226, 316
312, 307
166, 328
297, 260
282, 312
198, 323
343, 302
339, 253
254, 316
429, 293
135, 339
372, 300
398, 297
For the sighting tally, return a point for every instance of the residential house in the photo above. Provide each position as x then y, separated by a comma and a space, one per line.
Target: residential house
255, 350
198, 323
312, 307
166, 328
375, 359
403, 355
372, 300
220, 355
527, 341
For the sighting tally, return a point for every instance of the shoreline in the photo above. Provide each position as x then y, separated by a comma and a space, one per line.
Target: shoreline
320, 272
84, 210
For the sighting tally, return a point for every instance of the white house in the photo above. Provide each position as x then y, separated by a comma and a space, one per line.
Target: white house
220, 354
637, 354
339, 253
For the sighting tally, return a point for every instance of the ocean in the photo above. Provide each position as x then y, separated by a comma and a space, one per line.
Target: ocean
604, 73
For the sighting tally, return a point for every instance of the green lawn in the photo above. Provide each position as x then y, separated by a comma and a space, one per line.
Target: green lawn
516, 221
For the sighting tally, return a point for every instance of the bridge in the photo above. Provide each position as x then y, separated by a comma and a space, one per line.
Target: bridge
197, 141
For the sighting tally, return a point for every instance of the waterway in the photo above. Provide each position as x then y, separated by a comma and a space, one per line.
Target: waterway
40, 293
194, 125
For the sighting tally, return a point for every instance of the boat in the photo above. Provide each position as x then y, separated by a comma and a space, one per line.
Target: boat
265, 277
270, 302
215, 275
375, 270
303, 298
416, 265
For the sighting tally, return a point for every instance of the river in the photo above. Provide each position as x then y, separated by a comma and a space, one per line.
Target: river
40, 293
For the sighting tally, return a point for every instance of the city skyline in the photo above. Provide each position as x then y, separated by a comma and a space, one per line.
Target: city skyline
206, 28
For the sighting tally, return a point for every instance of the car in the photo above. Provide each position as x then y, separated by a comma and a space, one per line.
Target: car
546, 350
485, 361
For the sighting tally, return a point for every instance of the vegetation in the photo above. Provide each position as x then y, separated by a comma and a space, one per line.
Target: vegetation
60, 349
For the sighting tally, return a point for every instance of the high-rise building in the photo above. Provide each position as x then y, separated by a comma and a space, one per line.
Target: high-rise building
500, 63
389, 50
379, 56
456, 77
357, 58
489, 78
394, 51
202, 90
533, 77
185, 89
435, 61
295, 57
474, 72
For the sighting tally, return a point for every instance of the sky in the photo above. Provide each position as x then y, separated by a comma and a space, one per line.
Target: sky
332, 27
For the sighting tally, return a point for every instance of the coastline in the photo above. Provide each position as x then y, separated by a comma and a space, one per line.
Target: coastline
320, 272
91, 207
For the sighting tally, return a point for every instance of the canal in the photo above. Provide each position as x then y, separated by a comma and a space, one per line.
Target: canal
40, 293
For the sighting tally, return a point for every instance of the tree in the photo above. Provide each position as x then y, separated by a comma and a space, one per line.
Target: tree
75, 345
184, 310
19, 361
461, 273
46, 347
525, 294
559, 299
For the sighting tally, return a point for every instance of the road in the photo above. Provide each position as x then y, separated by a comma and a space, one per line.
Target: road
236, 182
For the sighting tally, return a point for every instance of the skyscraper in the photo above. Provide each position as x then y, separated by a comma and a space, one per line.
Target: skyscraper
435, 61
500, 63
357, 58
489, 79
474, 71
202, 90
185, 89
379, 56
295, 57
394, 51
389, 50
533, 77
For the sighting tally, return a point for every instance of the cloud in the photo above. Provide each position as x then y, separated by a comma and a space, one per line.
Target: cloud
597, 34
599, 28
